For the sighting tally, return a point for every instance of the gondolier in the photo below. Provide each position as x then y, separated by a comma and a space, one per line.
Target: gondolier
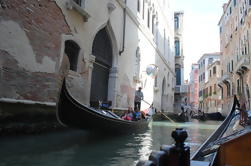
138, 97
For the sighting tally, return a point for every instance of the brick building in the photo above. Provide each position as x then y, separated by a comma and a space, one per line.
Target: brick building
193, 96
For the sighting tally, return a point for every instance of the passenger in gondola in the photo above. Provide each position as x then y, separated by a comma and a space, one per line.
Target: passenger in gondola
142, 115
137, 114
128, 114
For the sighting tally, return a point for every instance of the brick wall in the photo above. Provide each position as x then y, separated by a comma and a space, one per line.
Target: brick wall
43, 23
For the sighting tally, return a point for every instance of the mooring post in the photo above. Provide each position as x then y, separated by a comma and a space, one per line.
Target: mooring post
180, 153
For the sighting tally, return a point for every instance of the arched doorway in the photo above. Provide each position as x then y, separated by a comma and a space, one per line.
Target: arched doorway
102, 50
72, 51
163, 96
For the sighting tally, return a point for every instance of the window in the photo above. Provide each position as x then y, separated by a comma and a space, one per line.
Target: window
214, 70
214, 88
177, 48
210, 91
138, 6
178, 76
156, 81
228, 90
210, 73
210, 60
148, 18
238, 87
143, 12
153, 24
176, 22
164, 42
200, 93
232, 65
78, 2
234, 2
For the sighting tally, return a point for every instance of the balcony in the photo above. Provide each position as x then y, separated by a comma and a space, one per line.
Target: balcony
181, 88
225, 78
243, 64
78, 6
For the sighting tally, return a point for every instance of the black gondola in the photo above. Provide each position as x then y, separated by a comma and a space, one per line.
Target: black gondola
72, 113
207, 152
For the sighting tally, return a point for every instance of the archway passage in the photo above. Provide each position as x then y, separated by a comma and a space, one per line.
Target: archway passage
72, 51
102, 50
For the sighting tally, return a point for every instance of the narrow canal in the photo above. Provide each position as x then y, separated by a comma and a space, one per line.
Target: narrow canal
80, 148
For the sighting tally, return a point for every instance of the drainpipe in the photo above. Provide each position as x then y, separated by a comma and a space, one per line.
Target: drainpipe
124, 26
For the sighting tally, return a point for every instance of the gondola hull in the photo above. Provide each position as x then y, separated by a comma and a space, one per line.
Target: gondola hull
72, 113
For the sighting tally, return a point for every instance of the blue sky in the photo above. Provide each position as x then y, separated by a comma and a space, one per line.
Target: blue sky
201, 32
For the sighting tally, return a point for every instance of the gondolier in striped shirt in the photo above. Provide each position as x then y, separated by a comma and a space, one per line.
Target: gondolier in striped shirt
138, 97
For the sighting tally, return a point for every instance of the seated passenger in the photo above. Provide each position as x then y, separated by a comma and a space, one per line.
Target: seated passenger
143, 115
128, 114
137, 114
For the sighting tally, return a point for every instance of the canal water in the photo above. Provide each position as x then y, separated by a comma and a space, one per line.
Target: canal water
81, 148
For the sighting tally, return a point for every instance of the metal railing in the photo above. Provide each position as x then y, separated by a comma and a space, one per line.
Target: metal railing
181, 88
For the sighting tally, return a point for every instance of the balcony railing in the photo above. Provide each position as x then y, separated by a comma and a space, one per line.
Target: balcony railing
181, 88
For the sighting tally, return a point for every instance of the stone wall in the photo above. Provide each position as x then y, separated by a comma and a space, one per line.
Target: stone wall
30, 45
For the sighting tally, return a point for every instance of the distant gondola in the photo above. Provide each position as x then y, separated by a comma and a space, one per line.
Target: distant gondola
72, 113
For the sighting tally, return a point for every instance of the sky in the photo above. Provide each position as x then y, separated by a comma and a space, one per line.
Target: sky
201, 31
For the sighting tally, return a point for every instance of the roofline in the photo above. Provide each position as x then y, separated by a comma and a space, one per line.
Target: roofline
179, 12
209, 54
217, 61
224, 11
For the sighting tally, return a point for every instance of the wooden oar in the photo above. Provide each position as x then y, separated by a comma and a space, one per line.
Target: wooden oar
167, 117
161, 113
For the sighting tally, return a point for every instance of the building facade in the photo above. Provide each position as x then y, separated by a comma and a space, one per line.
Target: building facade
127, 44
181, 89
193, 98
212, 101
235, 45
204, 62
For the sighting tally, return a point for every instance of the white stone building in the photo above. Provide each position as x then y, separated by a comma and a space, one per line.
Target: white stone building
109, 46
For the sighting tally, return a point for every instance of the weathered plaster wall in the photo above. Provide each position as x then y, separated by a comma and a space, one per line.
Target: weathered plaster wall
30, 33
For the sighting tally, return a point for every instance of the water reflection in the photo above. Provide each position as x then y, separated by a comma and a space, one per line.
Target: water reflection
82, 148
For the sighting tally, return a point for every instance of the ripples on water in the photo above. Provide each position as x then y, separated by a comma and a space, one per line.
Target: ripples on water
80, 148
